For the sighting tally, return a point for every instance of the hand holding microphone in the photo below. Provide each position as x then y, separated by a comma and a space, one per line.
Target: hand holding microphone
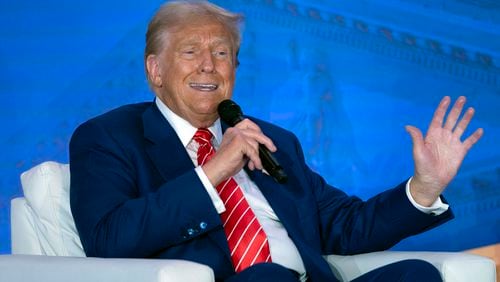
231, 114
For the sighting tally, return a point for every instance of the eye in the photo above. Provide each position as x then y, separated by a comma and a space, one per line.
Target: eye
188, 53
221, 53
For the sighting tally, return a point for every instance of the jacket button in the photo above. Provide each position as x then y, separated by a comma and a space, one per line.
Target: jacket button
203, 225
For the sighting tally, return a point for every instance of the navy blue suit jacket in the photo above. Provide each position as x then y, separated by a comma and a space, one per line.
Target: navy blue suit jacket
135, 194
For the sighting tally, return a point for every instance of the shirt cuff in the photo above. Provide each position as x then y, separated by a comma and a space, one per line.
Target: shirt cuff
212, 192
437, 208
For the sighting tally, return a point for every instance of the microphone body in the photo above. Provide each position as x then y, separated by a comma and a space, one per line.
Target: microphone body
231, 114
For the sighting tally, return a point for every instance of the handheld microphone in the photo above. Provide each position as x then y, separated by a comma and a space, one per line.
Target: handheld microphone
231, 114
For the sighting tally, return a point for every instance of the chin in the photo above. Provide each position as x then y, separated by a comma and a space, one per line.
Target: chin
208, 106
209, 111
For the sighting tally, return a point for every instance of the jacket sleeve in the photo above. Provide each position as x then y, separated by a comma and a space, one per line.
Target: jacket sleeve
349, 225
119, 212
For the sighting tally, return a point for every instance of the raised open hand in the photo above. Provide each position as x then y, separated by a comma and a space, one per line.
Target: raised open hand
439, 156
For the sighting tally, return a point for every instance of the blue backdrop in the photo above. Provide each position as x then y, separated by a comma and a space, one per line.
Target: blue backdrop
345, 76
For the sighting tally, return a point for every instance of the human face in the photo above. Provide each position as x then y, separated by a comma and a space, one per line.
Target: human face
195, 71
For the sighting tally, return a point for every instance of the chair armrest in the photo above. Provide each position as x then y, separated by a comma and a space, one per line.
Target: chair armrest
30, 268
456, 267
24, 239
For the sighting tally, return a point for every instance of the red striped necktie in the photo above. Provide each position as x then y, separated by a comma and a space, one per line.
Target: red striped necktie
246, 239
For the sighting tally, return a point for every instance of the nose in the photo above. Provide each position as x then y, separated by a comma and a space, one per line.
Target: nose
207, 64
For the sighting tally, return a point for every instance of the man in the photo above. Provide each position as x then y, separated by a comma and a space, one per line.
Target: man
168, 179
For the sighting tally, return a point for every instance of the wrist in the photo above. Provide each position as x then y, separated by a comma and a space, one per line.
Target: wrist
422, 192
215, 173
211, 174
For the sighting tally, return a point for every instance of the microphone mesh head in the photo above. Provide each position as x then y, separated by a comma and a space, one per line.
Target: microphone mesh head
229, 112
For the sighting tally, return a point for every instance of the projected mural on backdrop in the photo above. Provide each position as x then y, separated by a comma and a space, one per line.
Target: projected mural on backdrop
345, 78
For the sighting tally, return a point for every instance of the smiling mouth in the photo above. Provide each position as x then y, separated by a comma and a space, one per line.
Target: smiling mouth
204, 86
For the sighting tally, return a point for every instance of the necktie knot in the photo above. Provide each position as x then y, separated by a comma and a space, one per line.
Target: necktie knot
203, 136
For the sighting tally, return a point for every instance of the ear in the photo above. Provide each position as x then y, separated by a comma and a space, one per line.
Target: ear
153, 68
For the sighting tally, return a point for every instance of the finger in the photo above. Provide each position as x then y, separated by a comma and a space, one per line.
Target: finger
471, 140
452, 118
251, 151
248, 124
416, 137
437, 119
253, 131
261, 139
464, 122
251, 165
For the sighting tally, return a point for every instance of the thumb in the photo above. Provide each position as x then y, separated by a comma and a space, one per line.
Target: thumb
416, 136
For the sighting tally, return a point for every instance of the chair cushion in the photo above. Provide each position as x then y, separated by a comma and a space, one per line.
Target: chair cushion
46, 189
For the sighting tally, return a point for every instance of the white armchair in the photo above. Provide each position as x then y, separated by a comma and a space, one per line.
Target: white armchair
46, 246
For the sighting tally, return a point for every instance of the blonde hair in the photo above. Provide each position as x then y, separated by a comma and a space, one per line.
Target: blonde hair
175, 14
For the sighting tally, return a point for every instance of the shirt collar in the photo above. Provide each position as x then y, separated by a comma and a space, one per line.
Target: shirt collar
183, 128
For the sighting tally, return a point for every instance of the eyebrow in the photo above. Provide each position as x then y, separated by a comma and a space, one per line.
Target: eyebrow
216, 41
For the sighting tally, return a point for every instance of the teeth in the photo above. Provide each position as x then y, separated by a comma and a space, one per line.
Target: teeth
204, 86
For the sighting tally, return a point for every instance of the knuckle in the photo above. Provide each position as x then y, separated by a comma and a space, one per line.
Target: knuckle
230, 131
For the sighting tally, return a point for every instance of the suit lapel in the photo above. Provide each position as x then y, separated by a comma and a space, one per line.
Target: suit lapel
281, 200
165, 149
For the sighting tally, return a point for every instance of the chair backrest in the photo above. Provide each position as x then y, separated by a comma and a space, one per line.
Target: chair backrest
41, 222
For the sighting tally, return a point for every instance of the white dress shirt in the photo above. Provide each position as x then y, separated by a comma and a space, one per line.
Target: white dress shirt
283, 250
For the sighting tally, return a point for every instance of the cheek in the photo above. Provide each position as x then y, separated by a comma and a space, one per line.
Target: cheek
229, 74
178, 71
